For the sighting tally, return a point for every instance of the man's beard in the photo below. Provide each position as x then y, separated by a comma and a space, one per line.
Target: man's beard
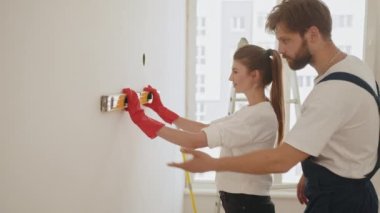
302, 58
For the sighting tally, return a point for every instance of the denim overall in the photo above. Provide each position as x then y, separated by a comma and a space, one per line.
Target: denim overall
331, 193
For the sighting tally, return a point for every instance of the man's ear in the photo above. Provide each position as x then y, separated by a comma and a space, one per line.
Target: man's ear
313, 34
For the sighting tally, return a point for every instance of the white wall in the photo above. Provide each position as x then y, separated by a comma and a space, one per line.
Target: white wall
58, 152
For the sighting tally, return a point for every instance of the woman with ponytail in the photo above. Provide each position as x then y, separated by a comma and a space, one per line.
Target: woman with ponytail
269, 67
257, 126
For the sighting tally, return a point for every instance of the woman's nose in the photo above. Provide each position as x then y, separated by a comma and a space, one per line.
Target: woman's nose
230, 78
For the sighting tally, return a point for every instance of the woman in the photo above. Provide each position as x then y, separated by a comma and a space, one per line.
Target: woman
255, 126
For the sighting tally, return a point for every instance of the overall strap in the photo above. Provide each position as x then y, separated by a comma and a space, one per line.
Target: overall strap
361, 83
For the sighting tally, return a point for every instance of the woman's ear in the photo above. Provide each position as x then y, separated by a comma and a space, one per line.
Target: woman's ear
255, 74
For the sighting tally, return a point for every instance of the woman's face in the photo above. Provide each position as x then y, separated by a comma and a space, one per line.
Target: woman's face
241, 77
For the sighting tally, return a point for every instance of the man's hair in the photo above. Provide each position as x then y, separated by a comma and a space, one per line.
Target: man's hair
300, 15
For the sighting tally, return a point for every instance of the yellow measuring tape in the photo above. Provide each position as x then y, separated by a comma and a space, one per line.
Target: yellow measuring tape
188, 183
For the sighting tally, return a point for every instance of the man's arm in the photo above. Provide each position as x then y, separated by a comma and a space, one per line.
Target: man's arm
277, 160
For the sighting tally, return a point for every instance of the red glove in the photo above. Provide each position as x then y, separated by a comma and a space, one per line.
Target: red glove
167, 115
148, 125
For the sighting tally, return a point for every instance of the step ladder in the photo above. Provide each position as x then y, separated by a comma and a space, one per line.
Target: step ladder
233, 99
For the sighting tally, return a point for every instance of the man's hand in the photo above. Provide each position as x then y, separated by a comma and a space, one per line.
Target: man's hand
301, 191
201, 162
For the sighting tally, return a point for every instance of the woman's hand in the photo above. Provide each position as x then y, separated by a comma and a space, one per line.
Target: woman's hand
167, 115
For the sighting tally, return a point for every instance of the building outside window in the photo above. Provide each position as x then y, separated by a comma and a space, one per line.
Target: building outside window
237, 23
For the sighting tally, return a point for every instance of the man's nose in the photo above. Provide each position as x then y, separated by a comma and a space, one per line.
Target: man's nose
281, 50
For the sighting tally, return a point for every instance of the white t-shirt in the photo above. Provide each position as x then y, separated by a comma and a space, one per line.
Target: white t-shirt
339, 122
251, 128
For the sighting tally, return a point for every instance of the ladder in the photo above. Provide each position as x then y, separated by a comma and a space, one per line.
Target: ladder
233, 99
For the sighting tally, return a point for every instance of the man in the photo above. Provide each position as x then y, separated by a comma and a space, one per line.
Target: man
335, 138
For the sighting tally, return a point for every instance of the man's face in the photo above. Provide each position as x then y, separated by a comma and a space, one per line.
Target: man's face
301, 59
293, 47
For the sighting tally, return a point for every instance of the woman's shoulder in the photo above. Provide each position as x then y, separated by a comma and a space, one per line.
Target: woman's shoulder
261, 110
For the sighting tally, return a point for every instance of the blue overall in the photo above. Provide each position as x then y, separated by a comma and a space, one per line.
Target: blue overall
331, 193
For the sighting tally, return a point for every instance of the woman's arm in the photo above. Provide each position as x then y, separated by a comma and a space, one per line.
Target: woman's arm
189, 125
183, 138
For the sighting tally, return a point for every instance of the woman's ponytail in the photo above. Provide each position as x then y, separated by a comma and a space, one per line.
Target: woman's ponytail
277, 93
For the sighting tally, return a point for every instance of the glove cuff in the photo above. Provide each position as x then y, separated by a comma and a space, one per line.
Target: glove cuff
150, 126
167, 115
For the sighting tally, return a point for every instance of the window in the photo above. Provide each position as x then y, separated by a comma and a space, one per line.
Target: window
237, 23
345, 48
233, 19
201, 26
343, 21
260, 20
201, 53
200, 111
